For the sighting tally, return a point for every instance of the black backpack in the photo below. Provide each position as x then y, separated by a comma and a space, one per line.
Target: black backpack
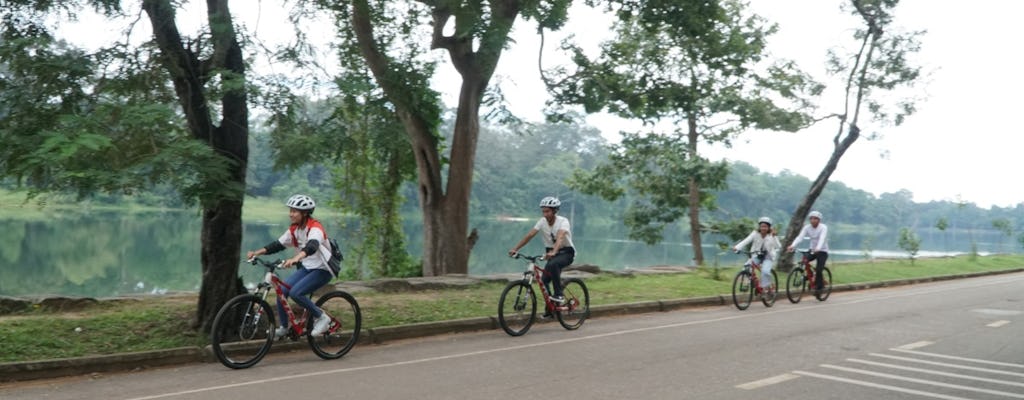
336, 257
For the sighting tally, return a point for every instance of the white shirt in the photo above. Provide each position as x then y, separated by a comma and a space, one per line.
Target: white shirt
769, 243
819, 237
304, 235
550, 232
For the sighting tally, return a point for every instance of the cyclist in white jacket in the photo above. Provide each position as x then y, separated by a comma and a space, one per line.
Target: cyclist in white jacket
818, 233
763, 243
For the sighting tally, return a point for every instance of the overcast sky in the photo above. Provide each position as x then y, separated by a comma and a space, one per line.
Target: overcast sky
961, 144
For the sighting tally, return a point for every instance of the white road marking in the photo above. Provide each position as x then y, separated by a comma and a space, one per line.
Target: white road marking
942, 364
904, 293
880, 386
924, 381
940, 373
998, 323
994, 311
767, 381
915, 345
974, 360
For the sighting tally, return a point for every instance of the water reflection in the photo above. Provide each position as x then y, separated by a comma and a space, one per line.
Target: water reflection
103, 254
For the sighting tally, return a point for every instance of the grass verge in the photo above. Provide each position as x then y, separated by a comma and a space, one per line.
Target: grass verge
162, 323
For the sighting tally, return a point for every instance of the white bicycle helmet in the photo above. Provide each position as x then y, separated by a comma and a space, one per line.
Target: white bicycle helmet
551, 202
301, 202
764, 220
815, 214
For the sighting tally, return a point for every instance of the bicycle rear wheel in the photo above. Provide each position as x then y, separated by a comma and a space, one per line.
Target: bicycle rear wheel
243, 331
346, 321
742, 290
517, 308
577, 300
826, 289
769, 300
796, 284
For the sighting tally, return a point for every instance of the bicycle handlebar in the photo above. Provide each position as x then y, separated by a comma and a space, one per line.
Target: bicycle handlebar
271, 265
531, 258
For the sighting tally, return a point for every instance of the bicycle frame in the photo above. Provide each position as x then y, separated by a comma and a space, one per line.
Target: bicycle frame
271, 280
535, 274
808, 270
755, 272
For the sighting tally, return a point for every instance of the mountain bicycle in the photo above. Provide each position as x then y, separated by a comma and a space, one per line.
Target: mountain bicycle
747, 283
243, 330
802, 277
517, 307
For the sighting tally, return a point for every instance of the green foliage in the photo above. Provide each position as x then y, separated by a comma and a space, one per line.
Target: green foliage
1004, 226
657, 169
942, 224
910, 243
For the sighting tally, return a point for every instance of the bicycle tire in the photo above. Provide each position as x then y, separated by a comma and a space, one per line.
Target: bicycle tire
346, 322
770, 300
742, 290
517, 308
243, 331
796, 284
827, 287
577, 299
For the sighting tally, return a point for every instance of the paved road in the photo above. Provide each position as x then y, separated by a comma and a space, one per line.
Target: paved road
949, 340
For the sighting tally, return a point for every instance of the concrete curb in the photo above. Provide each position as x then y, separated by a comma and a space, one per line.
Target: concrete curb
30, 370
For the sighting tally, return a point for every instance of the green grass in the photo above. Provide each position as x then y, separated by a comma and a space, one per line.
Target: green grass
161, 323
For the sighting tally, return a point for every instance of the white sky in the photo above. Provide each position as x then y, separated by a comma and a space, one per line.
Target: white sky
959, 145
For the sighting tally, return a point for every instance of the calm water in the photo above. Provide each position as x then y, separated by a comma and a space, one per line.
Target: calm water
107, 254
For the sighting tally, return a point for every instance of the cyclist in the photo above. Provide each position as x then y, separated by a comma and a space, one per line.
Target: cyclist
557, 236
818, 233
307, 235
763, 243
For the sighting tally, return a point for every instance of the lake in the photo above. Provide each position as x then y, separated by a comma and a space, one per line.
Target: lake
102, 254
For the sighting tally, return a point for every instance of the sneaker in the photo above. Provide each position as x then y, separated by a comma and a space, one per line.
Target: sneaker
547, 315
558, 300
280, 332
321, 324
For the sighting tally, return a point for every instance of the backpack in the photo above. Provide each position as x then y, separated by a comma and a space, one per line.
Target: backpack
334, 262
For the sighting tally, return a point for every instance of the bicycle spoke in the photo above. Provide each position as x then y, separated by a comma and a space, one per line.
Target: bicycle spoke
577, 304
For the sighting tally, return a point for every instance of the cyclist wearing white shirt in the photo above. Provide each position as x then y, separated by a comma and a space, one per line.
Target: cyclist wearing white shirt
307, 235
818, 233
764, 244
557, 236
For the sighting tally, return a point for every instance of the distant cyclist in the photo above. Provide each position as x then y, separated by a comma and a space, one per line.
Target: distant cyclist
309, 238
557, 236
764, 244
818, 233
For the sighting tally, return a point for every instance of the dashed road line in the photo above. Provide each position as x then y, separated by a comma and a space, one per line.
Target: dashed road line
915, 345
973, 360
880, 386
767, 381
942, 364
940, 373
998, 323
924, 381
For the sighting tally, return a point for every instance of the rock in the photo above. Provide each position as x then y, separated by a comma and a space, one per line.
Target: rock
11, 305
60, 303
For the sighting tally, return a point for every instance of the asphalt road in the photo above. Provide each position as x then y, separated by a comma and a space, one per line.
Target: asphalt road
960, 339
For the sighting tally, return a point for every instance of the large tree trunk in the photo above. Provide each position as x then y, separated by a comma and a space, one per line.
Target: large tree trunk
445, 205
221, 236
694, 196
796, 223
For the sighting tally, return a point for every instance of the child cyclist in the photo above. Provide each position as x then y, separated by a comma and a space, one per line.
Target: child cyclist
763, 243
313, 251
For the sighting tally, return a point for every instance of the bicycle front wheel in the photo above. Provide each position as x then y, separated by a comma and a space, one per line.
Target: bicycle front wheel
769, 298
742, 290
517, 308
826, 289
346, 321
577, 303
796, 284
243, 331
